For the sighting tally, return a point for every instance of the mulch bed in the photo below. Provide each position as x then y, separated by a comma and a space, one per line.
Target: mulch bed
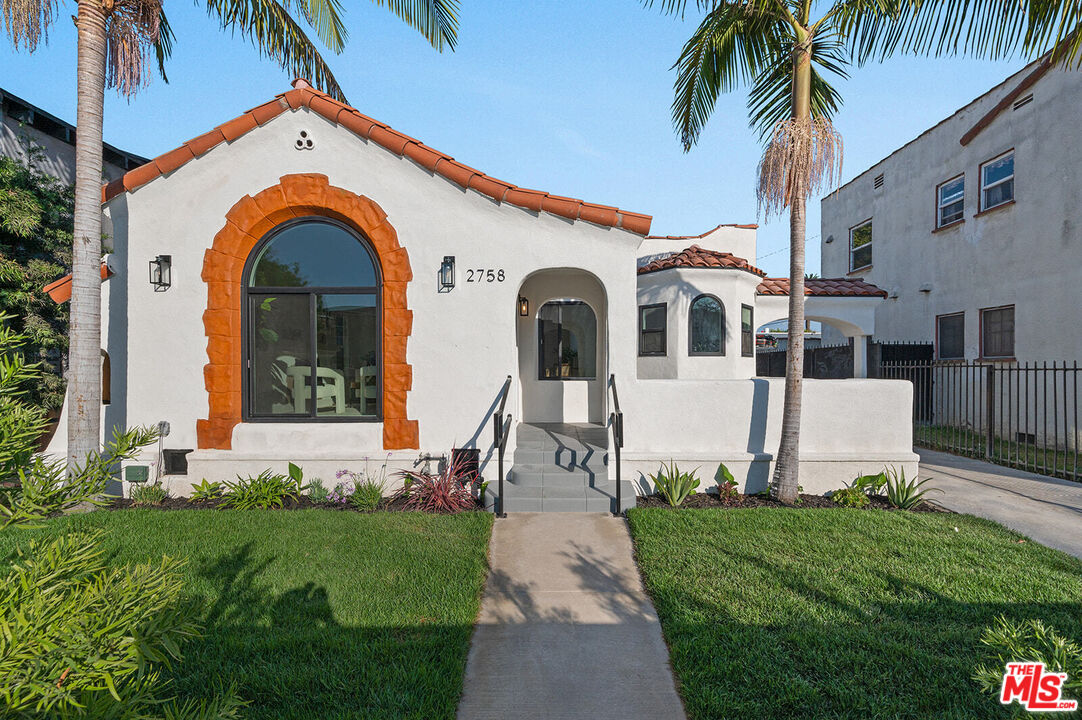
301, 503
807, 502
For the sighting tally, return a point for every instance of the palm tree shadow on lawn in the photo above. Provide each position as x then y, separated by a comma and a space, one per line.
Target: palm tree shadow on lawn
291, 658
902, 650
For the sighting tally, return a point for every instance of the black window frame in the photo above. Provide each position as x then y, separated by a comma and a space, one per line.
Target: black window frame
870, 245
939, 338
664, 330
747, 334
559, 350
691, 327
312, 292
984, 329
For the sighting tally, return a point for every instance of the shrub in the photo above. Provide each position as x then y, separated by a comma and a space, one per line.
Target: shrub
727, 492
264, 491
673, 485
148, 494
341, 494
850, 497
447, 491
317, 492
870, 484
1028, 641
83, 640
367, 495
207, 491
905, 495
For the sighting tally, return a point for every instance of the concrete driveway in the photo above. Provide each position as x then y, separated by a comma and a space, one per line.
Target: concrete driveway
1046, 509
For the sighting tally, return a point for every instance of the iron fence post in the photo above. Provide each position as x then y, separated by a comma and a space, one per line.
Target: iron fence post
990, 413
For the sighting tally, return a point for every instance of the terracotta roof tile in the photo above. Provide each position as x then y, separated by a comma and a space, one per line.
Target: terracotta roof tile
302, 95
697, 257
60, 290
830, 287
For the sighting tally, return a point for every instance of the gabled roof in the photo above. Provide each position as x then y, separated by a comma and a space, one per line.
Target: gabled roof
303, 95
840, 287
697, 257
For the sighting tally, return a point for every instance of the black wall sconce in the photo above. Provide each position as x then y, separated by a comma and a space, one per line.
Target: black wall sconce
447, 273
523, 306
161, 272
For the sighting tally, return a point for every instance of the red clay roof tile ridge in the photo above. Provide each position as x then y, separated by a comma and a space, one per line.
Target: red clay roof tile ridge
697, 257
303, 94
700, 236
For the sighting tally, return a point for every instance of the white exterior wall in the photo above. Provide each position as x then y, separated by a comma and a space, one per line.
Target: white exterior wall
1027, 254
678, 287
735, 239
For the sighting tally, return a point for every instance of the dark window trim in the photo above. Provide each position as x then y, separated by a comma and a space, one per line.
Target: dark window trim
246, 328
870, 244
664, 331
938, 354
749, 333
691, 330
980, 329
980, 183
540, 344
939, 225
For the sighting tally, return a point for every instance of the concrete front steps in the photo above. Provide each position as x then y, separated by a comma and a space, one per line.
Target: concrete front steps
562, 468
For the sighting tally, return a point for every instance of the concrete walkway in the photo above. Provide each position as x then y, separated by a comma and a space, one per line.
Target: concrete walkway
1046, 509
566, 630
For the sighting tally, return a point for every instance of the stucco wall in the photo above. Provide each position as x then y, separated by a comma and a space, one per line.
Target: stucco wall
1028, 254
740, 240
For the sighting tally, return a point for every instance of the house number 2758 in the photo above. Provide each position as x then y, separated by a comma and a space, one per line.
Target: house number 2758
485, 275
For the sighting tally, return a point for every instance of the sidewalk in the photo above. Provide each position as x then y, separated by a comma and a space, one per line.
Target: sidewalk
566, 630
1046, 509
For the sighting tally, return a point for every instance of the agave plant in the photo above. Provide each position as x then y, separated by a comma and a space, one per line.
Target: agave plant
673, 485
905, 495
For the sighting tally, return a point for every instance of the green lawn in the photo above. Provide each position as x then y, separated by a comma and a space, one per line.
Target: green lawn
316, 614
774, 613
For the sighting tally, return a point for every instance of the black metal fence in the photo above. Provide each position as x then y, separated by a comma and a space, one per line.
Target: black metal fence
1020, 415
835, 362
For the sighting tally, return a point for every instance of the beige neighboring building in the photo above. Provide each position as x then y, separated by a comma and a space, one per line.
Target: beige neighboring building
22, 122
974, 228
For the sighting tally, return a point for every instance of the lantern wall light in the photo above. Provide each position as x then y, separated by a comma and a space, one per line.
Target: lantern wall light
523, 306
447, 273
161, 272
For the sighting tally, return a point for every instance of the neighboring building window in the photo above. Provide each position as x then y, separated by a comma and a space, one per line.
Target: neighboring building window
312, 325
951, 197
951, 336
860, 246
997, 181
706, 326
567, 341
997, 332
747, 331
652, 340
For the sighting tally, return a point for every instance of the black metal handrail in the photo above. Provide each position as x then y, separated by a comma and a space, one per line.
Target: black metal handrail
500, 428
616, 421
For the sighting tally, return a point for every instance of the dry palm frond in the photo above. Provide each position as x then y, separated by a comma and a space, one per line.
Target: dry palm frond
27, 21
131, 33
803, 155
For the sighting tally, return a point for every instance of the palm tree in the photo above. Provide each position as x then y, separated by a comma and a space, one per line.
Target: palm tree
788, 59
116, 39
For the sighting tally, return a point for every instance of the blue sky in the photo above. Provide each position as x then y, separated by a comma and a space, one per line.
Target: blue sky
568, 97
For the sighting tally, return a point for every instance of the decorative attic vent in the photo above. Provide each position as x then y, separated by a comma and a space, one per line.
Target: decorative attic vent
1022, 102
878, 182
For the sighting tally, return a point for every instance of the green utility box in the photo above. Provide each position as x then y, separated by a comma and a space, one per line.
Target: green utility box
137, 473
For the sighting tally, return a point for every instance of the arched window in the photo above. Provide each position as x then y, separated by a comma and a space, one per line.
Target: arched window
311, 314
567, 341
706, 326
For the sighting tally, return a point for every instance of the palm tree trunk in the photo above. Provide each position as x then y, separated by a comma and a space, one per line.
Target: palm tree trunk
787, 464
84, 353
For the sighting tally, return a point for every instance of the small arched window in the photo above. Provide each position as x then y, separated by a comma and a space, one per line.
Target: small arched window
311, 313
706, 326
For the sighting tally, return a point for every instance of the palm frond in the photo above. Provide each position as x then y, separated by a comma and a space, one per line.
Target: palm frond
730, 48
436, 20
131, 33
325, 18
27, 21
271, 28
163, 47
988, 29
771, 99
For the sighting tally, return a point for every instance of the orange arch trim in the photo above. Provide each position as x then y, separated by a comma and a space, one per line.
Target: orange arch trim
300, 195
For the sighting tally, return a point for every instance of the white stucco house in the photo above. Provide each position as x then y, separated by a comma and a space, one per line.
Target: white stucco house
338, 290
